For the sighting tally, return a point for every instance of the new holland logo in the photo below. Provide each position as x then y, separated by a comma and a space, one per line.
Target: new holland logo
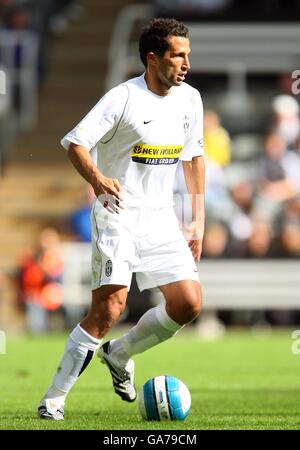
156, 154
108, 268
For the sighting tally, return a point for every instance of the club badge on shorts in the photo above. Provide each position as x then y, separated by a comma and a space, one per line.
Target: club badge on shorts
108, 268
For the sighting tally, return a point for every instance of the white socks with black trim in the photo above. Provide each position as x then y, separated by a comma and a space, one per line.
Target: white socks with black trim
154, 326
79, 351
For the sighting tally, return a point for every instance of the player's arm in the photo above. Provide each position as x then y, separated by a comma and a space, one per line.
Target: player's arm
194, 173
82, 161
100, 120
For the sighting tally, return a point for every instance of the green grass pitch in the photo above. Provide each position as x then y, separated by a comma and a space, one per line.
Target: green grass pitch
242, 381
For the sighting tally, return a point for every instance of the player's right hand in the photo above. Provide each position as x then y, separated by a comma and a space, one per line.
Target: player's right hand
109, 193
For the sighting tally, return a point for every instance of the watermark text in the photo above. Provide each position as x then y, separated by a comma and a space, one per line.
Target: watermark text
296, 342
296, 83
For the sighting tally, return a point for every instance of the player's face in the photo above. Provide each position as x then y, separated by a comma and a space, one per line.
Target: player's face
173, 66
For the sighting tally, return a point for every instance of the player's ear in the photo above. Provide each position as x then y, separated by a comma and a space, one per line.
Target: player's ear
151, 58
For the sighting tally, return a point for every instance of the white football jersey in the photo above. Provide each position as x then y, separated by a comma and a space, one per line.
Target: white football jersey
140, 136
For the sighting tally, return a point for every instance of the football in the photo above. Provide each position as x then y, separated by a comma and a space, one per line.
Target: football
164, 398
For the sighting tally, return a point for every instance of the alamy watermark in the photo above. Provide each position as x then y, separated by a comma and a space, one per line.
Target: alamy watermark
3, 80
2, 342
296, 342
296, 83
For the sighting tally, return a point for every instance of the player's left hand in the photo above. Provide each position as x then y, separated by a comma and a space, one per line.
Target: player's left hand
194, 234
196, 249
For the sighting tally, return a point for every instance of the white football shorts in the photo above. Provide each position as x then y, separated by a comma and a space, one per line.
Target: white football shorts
145, 240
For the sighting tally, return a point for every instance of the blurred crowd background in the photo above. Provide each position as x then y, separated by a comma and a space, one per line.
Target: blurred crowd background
25, 29
53, 61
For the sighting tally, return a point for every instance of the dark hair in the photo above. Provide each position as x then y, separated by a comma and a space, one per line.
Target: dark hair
154, 36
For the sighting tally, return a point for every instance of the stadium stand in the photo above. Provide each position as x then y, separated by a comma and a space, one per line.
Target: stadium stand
39, 187
240, 67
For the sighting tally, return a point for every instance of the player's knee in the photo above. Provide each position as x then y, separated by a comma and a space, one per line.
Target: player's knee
187, 310
192, 307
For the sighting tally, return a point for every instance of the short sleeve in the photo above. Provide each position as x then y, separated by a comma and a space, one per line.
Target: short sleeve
104, 117
193, 145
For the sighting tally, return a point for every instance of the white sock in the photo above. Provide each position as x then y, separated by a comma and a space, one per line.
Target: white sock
154, 326
79, 350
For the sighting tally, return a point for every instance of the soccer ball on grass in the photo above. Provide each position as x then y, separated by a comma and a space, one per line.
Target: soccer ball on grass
164, 398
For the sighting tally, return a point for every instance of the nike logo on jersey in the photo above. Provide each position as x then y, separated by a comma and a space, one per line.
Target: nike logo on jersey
147, 121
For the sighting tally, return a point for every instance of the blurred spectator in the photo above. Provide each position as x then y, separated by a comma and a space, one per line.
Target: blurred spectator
260, 240
286, 119
215, 240
279, 172
216, 138
240, 223
217, 199
217, 156
290, 239
39, 281
285, 84
242, 193
79, 221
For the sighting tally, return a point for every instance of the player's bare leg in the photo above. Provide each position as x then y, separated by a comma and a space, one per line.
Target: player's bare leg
183, 300
107, 306
108, 303
182, 304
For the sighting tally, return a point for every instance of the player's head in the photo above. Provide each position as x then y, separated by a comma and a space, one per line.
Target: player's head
164, 45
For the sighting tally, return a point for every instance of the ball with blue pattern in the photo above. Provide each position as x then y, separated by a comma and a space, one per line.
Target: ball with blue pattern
164, 398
